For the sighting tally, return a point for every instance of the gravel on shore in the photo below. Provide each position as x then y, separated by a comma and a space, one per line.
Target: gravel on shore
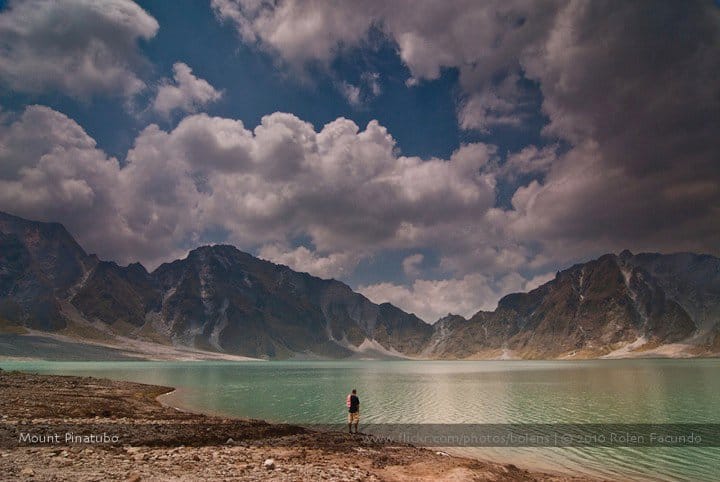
119, 431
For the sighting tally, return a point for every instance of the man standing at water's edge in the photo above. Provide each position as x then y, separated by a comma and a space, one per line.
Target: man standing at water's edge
353, 404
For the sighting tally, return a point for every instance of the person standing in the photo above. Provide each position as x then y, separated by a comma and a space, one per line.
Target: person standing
353, 411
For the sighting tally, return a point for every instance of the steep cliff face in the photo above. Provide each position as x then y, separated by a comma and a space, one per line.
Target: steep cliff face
593, 307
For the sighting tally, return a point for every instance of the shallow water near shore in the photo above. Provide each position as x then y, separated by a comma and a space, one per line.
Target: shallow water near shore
592, 391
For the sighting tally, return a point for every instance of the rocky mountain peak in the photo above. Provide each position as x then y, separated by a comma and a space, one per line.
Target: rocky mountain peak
625, 255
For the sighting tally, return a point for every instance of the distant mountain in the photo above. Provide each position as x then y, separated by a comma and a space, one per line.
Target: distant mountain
217, 299
615, 305
220, 299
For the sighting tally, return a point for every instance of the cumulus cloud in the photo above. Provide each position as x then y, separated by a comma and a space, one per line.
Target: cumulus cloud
630, 91
51, 170
212, 173
334, 265
299, 32
186, 93
346, 189
77, 47
430, 300
484, 40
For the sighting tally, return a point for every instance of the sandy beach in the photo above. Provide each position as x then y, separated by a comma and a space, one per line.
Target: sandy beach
86, 429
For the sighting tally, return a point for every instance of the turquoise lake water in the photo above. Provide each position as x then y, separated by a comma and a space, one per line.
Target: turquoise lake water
593, 391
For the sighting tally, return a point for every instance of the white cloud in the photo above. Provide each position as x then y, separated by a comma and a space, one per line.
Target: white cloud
297, 32
637, 168
51, 170
529, 160
484, 40
351, 93
411, 265
345, 189
432, 299
615, 183
639, 139
485, 110
188, 93
335, 265
367, 89
77, 47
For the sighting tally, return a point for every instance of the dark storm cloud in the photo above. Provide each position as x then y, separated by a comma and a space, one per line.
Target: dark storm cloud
633, 86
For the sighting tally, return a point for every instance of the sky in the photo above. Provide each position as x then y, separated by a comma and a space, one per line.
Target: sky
437, 155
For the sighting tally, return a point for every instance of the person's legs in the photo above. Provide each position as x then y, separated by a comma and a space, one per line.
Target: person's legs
356, 420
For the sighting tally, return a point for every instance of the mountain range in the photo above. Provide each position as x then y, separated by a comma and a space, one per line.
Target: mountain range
221, 300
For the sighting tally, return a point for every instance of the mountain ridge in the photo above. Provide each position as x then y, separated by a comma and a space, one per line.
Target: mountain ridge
221, 299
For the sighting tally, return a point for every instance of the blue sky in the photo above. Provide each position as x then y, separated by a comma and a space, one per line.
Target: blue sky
504, 140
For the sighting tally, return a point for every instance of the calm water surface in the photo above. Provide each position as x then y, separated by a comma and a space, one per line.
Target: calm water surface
598, 391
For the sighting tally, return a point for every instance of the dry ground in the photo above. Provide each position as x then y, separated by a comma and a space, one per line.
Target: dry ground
155, 442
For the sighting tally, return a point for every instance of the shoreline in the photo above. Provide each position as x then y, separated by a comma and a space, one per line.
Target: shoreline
532, 467
452, 451
122, 348
156, 441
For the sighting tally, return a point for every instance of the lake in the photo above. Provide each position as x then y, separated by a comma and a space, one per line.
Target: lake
593, 391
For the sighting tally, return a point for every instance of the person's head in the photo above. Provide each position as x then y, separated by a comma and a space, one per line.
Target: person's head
354, 392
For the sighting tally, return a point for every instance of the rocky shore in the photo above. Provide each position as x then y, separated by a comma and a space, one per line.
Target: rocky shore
119, 431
